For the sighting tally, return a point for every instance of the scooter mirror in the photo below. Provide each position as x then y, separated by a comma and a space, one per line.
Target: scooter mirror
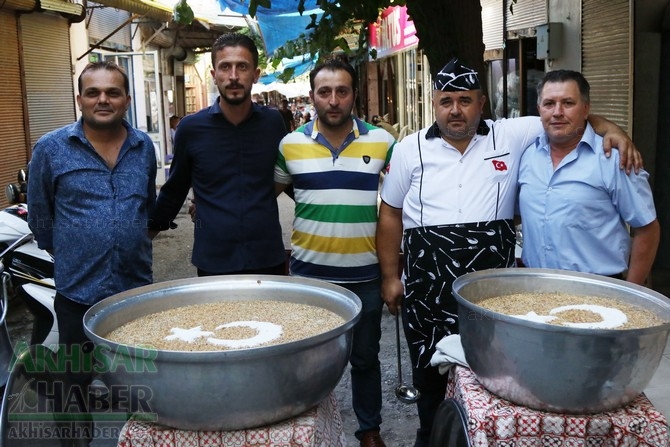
22, 176
13, 194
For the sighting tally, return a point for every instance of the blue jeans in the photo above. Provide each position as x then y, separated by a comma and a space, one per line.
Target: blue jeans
366, 378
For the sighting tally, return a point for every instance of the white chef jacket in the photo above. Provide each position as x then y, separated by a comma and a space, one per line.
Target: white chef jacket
437, 185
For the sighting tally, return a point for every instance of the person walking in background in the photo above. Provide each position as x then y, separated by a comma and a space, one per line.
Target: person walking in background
379, 122
174, 121
334, 163
287, 115
445, 236
226, 153
564, 174
92, 186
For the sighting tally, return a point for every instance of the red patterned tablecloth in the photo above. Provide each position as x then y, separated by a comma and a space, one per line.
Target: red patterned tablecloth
494, 422
319, 427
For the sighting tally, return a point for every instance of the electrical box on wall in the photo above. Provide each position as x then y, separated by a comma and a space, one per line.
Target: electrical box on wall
549, 40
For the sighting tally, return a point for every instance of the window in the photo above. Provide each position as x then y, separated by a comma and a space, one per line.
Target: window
523, 72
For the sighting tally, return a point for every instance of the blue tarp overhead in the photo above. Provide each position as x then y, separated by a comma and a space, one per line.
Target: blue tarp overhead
280, 23
300, 65
278, 6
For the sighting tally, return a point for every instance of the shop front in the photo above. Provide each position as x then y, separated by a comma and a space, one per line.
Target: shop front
36, 71
398, 80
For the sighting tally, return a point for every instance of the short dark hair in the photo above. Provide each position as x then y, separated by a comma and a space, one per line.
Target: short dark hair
235, 40
104, 65
376, 119
334, 64
565, 76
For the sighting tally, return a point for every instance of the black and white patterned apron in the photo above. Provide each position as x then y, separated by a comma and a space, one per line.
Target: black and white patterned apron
434, 257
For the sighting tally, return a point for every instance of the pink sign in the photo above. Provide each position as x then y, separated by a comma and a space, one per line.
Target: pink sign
393, 32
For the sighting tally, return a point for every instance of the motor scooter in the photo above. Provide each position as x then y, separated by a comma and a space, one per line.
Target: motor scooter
30, 269
28, 273
6, 349
18, 372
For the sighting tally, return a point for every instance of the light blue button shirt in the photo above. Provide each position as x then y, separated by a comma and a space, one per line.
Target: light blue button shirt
574, 216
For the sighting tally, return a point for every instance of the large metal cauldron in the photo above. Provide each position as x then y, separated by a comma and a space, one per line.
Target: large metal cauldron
225, 390
555, 368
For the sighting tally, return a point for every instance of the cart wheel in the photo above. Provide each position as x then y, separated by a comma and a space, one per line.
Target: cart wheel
450, 428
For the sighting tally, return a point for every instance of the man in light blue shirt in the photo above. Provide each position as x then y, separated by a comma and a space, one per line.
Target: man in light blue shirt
576, 203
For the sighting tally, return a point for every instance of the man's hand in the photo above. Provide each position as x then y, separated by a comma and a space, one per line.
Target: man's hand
191, 210
629, 157
392, 294
614, 136
388, 240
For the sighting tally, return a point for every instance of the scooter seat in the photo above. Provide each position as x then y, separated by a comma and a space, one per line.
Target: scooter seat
450, 427
6, 351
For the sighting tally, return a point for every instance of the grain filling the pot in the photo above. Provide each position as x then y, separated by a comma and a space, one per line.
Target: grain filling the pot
578, 311
226, 325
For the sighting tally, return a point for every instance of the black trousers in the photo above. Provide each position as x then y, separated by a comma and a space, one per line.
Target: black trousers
73, 340
433, 386
75, 355
279, 269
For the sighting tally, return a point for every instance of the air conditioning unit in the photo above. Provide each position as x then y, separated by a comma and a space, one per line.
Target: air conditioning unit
549, 40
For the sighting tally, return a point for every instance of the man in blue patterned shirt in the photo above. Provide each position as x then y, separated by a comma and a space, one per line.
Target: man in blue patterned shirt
92, 185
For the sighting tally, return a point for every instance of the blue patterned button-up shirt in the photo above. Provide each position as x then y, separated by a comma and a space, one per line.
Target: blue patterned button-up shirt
93, 218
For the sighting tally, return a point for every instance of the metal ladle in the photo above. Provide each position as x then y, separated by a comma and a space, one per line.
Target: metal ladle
405, 393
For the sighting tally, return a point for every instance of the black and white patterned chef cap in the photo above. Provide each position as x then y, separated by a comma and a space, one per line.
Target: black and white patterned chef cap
456, 77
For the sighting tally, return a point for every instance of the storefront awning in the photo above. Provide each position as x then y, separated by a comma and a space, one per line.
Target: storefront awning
290, 90
74, 10
71, 9
146, 8
161, 29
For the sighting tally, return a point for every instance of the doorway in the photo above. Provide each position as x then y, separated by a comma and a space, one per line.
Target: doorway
146, 111
518, 77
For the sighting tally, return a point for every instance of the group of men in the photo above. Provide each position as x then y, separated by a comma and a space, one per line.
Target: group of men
450, 194
448, 201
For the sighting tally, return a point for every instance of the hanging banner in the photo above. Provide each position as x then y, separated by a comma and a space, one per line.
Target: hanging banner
393, 32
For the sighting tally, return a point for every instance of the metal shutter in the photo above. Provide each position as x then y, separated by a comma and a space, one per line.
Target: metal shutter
607, 58
48, 73
102, 23
13, 147
527, 14
492, 24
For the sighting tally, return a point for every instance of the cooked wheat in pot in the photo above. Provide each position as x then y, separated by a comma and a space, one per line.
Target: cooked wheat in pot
226, 325
572, 310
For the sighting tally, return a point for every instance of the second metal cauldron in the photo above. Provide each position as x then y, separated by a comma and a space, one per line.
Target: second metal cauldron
555, 368
225, 390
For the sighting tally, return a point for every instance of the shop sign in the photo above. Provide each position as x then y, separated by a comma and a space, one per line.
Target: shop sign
393, 32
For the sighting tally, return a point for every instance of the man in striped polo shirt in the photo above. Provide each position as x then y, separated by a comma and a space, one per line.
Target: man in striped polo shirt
334, 163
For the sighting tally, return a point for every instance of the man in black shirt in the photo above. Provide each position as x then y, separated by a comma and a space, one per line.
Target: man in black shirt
226, 153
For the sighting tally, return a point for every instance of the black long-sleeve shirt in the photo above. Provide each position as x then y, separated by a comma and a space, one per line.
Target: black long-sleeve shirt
230, 169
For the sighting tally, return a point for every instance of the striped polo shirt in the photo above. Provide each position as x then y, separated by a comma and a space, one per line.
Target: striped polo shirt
335, 220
